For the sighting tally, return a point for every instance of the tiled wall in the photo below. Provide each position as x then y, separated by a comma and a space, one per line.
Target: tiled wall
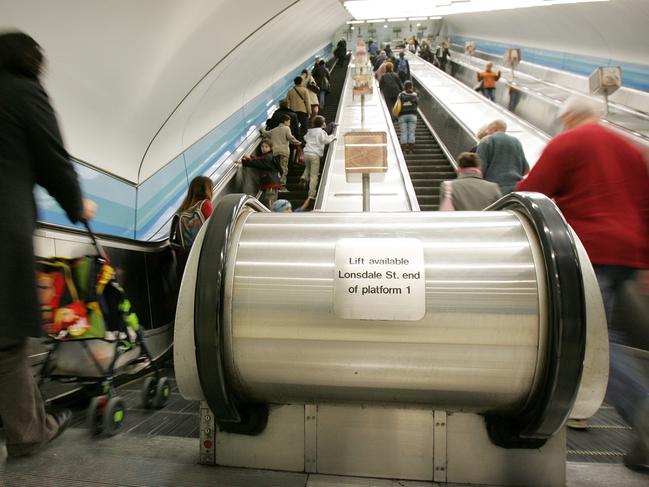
633, 75
138, 212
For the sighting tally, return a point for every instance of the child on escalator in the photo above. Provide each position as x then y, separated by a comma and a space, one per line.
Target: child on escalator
264, 174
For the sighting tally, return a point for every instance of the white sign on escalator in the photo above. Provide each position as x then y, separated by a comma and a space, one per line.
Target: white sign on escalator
379, 279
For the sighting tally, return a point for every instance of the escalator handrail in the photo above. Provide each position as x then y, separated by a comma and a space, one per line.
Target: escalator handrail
325, 177
209, 311
442, 145
439, 100
550, 404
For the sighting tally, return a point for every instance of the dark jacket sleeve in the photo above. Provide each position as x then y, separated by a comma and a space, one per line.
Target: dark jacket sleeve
52, 166
265, 163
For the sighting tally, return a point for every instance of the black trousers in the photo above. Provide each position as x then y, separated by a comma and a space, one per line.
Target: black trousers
22, 410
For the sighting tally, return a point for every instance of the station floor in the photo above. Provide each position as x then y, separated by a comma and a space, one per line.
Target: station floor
160, 449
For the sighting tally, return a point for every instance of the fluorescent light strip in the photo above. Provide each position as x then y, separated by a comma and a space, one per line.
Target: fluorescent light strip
413, 9
355, 21
397, 20
417, 18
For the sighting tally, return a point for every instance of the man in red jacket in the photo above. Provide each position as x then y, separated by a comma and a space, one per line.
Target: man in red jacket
600, 181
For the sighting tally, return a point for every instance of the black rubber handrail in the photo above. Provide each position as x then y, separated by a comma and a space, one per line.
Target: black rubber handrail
230, 413
547, 410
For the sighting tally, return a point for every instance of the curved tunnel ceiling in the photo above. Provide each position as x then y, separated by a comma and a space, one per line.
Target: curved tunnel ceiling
137, 82
615, 30
118, 70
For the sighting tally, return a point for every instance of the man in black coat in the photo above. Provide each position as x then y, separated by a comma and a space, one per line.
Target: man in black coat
31, 152
283, 109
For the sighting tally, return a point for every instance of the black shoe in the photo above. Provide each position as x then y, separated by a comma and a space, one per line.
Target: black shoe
62, 419
638, 458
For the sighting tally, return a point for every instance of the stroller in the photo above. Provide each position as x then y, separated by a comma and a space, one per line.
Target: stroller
94, 334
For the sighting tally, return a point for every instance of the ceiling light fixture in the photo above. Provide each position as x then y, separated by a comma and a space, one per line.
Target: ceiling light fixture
414, 9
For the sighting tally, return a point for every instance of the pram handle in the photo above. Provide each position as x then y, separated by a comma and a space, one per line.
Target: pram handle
95, 242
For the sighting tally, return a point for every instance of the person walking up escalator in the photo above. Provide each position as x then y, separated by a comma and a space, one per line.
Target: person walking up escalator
600, 182
408, 117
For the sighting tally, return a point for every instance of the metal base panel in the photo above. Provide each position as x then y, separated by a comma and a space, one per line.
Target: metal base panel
385, 442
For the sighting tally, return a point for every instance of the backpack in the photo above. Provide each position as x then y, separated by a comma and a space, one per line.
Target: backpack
185, 226
402, 66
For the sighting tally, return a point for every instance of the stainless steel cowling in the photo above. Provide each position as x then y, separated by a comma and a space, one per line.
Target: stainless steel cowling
257, 320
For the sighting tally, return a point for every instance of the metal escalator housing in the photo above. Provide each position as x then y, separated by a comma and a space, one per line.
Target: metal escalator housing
491, 341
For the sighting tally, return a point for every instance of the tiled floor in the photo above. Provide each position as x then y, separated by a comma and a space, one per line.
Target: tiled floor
160, 448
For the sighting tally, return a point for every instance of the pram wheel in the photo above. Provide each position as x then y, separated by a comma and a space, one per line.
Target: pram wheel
149, 388
155, 392
114, 414
162, 393
95, 414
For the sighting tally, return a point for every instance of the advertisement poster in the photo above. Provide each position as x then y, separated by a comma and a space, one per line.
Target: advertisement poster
362, 84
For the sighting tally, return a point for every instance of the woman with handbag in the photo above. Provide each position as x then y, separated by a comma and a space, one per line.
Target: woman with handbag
312, 90
408, 117
390, 85
321, 77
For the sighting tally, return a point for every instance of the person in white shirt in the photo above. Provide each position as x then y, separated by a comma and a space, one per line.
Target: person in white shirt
316, 139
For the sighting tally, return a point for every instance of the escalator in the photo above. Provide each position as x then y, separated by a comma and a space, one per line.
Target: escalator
297, 194
428, 166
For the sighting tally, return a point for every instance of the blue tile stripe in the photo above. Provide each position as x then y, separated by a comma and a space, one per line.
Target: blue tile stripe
140, 212
633, 75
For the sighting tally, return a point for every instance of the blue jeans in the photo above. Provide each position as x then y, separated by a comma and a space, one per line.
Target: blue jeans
407, 124
489, 93
321, 98
628, 388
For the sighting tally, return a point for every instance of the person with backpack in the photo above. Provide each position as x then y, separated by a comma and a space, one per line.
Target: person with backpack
408, 117
32, 152
189, 218
403, 67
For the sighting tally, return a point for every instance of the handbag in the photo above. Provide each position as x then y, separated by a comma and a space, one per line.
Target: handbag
299, 156
396, 109
312, 86
326, 85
